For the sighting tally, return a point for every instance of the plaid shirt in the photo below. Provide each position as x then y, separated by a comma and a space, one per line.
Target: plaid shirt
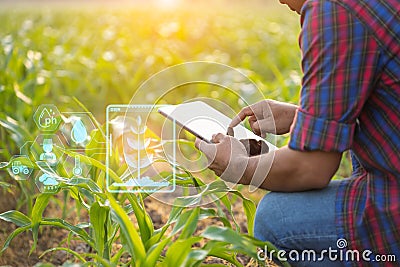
350, 100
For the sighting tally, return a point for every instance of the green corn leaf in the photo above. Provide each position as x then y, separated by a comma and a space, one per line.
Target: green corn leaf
15, 233
74, 264
15, 217
70, 251
40, 204
177, 253
191, 224
21, 134
239, 242
226, 201
84, 183
157, 236
187, 222
145, 223
115, 259
4, 165
220, 250
128, 231
206, 213
98, 218
174, 214
195, 257
94, 163
103, 262
210, 190
154, 253
5, 185
45, 264
250, 211
214, 265
74, 229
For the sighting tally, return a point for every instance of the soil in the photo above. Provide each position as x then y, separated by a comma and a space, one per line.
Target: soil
18, 252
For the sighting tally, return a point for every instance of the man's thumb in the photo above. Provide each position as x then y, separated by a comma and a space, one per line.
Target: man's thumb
206, 148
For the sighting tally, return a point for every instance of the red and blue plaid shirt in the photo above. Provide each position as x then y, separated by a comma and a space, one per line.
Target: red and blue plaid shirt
350, 100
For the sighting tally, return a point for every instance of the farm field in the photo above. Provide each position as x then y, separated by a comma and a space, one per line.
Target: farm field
84, 57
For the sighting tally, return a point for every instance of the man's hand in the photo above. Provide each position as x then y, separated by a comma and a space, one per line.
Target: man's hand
227, 157
267, 116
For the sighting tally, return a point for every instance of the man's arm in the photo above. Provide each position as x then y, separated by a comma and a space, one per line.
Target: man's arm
281, 170
292, 170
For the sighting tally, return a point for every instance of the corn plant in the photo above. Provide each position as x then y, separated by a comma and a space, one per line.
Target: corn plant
170, 245
102, 55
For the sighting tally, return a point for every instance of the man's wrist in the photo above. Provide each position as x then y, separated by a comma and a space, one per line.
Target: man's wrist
250, 169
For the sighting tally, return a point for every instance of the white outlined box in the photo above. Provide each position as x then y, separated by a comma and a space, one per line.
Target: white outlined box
140, 150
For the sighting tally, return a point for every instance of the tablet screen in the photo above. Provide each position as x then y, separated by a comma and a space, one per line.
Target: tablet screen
203, 121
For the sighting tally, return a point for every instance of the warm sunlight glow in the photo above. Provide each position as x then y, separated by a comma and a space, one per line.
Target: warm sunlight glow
168, 3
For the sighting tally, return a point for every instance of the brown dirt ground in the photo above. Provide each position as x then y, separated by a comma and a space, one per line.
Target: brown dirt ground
18, 252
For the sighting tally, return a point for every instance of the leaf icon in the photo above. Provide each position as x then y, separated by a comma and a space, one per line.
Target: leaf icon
132, 161
138, 144
139, 120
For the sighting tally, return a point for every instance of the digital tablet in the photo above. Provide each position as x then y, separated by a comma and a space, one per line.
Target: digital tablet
204, 121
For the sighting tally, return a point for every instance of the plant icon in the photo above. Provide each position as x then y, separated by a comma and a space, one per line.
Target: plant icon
139, 155
140, 159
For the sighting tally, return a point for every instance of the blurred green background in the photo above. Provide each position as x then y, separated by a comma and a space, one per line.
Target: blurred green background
100, 52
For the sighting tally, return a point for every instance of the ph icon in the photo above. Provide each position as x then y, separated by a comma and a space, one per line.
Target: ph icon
47, 117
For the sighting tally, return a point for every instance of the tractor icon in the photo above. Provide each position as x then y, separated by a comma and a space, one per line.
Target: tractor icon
18, 168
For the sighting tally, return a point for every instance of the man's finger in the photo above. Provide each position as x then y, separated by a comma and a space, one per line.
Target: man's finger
217, 138
255, 127
208, 149
245, 112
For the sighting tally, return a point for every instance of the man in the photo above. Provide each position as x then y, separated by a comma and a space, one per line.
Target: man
350, 100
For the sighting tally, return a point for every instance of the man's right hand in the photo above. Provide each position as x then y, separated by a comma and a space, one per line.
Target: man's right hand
267, 116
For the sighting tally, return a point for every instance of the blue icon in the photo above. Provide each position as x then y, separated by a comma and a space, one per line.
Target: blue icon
21, 167
50, 184
48, 154
79, 133
18, 168
77, 170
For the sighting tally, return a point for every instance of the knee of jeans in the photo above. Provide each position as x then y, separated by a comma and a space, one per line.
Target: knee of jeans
267, 221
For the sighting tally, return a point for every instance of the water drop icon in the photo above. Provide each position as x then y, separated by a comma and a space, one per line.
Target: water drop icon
45, 118
79, 132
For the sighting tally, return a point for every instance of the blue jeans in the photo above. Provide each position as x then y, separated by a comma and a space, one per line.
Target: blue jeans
300, 221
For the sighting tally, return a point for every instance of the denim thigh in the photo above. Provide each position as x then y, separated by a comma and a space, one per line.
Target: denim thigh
299, 221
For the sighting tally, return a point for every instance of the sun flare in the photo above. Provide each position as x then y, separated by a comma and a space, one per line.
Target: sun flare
168, 3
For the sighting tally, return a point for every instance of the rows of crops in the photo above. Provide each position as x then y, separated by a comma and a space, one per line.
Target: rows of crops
85, 58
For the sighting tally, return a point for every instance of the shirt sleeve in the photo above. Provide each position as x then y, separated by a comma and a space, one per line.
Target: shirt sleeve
339, 64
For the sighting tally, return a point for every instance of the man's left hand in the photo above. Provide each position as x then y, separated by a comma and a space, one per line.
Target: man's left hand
227, 157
